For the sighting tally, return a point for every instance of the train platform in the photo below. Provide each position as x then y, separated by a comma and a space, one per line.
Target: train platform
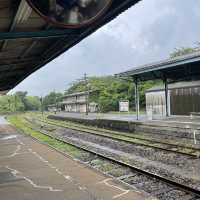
186, 121
173, 119
187, 126
108, 116
30, 170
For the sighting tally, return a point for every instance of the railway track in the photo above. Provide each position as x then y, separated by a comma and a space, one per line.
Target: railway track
189, 151
151, 183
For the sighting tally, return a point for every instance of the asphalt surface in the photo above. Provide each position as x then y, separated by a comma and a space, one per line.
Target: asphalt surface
30, 170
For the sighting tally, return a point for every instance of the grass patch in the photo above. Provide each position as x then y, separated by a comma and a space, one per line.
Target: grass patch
21, 124
118, 172
105, 167
97, 162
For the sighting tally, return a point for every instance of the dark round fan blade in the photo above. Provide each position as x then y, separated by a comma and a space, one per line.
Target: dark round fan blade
70, 13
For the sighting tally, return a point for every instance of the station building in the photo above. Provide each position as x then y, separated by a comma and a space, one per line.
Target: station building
79, 102
183, 99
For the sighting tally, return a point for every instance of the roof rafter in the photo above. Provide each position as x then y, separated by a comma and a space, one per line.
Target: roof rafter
16, 61
56, 33
22, 14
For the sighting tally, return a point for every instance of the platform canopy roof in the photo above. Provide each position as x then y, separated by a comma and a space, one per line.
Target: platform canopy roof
181, 68
27, 42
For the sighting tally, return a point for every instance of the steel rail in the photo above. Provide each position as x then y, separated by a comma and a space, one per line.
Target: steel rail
134, 168
88, 130
126, 134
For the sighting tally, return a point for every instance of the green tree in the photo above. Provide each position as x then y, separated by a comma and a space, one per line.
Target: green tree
9, 103
19, 102
21, 96
52, 98
185, 50
32, 103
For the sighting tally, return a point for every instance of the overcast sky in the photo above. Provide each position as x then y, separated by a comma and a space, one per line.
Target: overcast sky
147, 32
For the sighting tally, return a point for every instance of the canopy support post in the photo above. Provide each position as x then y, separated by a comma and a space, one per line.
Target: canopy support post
137, 100
166, 96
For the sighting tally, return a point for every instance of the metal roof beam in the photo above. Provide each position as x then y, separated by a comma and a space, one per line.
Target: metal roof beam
22, 14
34, 43
39, 34
56, 45
14, 66
17, 61
10, 73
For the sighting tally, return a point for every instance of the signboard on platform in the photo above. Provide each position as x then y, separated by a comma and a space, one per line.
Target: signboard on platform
124, 106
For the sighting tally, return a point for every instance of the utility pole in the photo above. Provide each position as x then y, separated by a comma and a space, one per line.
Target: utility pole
41, 102
56, 104
84, 81
87, 93
9, 104
15, 103
137, 100
166, 96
